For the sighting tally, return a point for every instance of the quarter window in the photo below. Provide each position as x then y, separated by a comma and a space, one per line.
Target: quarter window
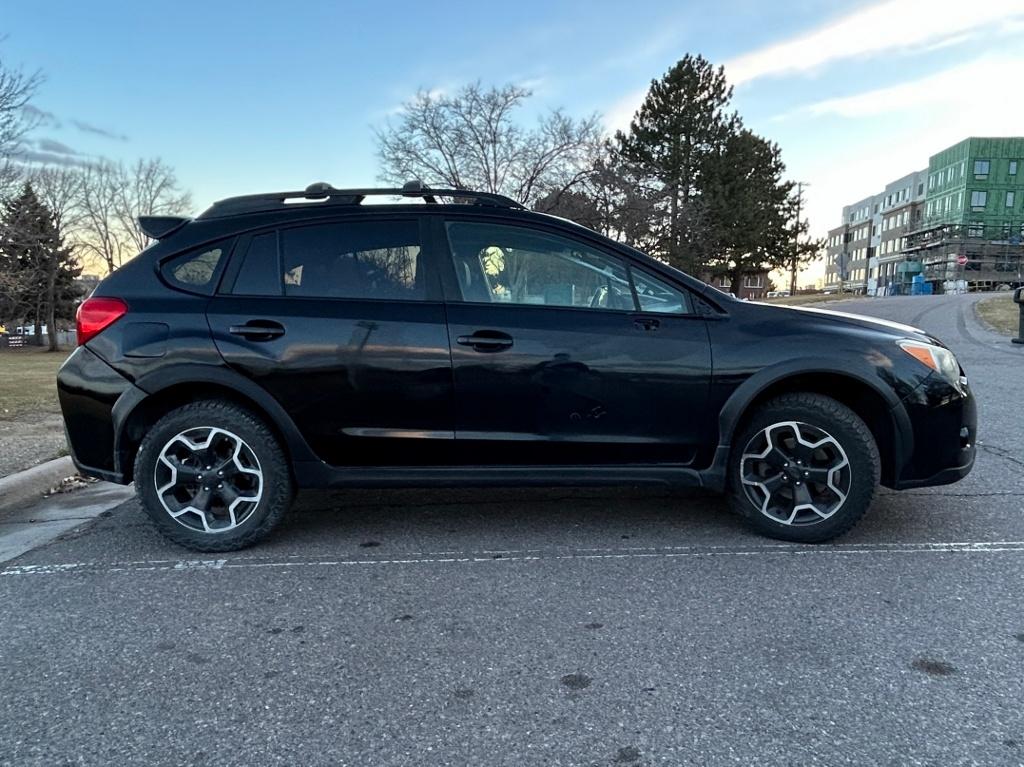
658, 297
196, 270
512, 265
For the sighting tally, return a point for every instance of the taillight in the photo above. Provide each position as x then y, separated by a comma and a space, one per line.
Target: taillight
97, 313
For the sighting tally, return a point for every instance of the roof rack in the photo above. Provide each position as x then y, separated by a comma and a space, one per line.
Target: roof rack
322, 193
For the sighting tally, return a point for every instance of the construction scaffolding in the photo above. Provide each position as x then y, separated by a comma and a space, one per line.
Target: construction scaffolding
983, 257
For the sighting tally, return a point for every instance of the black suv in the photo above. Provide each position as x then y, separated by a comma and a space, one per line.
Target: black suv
306, 339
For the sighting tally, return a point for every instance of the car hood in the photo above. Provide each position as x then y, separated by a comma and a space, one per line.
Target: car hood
895, 329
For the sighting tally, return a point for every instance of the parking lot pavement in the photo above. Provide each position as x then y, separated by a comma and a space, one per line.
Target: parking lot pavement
561, 627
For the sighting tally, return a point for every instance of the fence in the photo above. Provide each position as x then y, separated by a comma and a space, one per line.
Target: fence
12, 341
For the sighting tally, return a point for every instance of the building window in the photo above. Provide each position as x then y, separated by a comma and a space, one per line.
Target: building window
1010, 199
976, 229
979, 200
1013, 167
981, 168
920, 189
752, 281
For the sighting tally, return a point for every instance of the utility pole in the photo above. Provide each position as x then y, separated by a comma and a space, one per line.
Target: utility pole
796, 244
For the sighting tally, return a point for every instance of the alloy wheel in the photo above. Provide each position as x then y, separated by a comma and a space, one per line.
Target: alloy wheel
208, 479
795, 473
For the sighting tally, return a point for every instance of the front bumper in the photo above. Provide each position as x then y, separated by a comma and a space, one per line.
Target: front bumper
944, 420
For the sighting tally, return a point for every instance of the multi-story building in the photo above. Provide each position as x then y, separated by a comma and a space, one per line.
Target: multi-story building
900, 209
973, 224
957, 222
753, 287
849, 248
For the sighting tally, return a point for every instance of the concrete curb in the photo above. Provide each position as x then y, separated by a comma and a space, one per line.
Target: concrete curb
29, 485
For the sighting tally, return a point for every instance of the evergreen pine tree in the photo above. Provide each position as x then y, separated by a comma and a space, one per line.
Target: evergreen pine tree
682, 120
37, 269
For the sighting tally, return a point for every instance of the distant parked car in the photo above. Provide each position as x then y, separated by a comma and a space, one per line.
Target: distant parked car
304, 339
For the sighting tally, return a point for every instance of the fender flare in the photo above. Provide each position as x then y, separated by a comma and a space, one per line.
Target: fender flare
148, 385
739, 401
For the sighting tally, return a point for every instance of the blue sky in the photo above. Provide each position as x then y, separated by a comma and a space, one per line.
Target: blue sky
253, 96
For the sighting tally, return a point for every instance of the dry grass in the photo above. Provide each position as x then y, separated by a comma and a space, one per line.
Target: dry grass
816, 298
28, 381
1000, 313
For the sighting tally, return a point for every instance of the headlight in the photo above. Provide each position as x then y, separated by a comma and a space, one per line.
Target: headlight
938, 358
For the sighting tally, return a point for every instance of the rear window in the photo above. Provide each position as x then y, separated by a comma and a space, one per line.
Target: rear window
354, 259
196, 270
359, 259
260, 274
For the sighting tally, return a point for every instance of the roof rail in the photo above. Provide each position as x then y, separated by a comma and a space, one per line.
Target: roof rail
322, 193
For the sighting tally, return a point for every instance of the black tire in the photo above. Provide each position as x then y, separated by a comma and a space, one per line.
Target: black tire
275, 484
848, 431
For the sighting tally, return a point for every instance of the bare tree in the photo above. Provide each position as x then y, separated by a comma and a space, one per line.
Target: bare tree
101, 235
148, 188
111, 199
471, 140
16, 90
60, 188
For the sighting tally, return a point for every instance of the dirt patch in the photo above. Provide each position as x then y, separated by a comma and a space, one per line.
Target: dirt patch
1000, 313
29, 440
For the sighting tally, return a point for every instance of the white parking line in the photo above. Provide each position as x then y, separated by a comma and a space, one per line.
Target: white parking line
517, 555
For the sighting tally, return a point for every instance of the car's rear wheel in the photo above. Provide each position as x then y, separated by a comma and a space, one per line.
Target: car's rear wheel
213, 477
804, 468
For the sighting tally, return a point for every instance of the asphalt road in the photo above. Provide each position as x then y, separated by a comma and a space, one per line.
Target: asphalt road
543, 627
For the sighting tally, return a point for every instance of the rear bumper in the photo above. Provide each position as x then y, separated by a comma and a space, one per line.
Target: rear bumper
88, 390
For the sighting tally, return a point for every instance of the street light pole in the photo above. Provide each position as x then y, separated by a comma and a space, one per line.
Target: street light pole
796, 236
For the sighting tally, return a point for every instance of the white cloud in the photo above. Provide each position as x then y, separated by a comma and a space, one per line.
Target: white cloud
895, 25
943, 109
980, 83
619, 114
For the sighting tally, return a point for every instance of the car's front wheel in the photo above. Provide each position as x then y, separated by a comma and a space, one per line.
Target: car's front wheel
212, 476
804, 468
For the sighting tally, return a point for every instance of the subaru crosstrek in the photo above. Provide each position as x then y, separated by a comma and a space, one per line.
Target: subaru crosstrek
309, 340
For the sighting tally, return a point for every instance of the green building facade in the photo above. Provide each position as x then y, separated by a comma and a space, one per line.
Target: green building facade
972, 223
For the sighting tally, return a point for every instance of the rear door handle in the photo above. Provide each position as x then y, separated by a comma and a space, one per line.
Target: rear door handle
486, 340
258, 330
647, 323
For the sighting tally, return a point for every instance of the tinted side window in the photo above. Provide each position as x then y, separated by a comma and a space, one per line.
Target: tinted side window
514, 265
260, 274
197, 270
359, 259
657, 296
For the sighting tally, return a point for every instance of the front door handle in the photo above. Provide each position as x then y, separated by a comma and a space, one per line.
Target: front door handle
258, 330
647, 323
486, 340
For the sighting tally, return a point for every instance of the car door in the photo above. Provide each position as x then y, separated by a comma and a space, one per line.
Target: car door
342, 322
563, 353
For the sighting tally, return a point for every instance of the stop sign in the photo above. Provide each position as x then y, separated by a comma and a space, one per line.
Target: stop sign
961, 259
